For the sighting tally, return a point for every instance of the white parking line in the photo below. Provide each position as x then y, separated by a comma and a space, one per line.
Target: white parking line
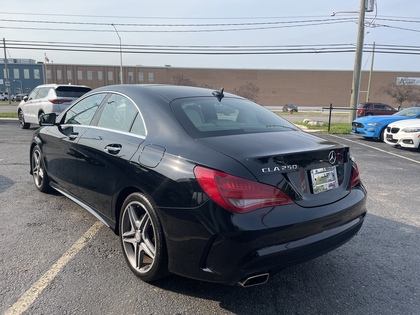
390, 153
26, 300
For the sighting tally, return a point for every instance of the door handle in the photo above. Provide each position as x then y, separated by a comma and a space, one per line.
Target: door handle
113, 148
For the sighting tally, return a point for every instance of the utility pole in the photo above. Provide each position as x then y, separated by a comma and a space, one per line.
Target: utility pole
354, 100
7, 73
370, 74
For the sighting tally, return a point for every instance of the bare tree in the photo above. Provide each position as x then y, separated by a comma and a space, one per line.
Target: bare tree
180, 79
248, 90
402, 93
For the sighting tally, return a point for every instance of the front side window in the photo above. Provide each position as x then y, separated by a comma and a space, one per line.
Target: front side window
118, 114
33, 94
83, 111
206, 117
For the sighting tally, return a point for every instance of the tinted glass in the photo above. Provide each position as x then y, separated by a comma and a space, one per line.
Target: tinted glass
138, 126
118, 113
409, 112
206, 117
71, 91
82, 112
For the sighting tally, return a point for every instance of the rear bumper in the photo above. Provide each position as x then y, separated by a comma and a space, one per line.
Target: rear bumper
245, 249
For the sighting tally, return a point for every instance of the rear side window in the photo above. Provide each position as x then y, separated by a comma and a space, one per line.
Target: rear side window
207, 117
71, 91
118, 113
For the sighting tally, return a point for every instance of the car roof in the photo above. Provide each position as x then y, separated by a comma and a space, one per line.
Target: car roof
53, 85
168, 92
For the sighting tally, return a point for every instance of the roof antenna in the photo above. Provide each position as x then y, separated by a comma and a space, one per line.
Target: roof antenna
219, 94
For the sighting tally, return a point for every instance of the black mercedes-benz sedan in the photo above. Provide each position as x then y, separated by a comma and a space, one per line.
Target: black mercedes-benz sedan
228, 196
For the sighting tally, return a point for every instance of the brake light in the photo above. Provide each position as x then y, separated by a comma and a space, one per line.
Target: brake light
237, 194
60, 101
355, 175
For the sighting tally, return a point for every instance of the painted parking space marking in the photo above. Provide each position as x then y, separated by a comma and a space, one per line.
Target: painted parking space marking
26, 300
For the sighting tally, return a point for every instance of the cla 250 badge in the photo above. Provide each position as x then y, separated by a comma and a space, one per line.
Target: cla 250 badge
281, 168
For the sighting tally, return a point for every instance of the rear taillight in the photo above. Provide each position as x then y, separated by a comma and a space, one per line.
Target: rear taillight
355, 175
238, 194
60, 101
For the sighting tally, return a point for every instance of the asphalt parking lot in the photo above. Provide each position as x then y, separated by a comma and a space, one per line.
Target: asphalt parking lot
55, 258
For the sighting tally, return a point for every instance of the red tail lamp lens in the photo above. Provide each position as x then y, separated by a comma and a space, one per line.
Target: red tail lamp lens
238, 194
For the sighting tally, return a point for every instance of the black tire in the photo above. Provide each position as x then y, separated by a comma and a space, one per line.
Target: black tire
382, 136
22, 122
142, 240
39, 174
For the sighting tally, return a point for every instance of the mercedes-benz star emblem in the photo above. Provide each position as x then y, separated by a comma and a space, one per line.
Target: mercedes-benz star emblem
332, 158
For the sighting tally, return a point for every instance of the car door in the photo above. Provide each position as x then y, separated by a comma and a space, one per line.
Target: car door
61, 143
107, 148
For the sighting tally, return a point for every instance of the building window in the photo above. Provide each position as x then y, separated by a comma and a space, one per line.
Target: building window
48, 74
151, 76
141, 77
79, 75
110, 76
37, 74
4, 73
16, 73
69, 75
59, 77
100, 76
90, 75
26, 74
130, 78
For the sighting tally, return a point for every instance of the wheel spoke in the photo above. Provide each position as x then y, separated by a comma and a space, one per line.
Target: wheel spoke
138, 237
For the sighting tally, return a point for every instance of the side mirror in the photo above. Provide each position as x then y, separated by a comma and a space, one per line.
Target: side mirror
25, 98
48, 119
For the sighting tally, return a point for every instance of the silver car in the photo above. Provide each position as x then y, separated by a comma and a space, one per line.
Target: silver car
48, 98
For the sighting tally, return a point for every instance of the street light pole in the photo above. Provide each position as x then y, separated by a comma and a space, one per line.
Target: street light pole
121, 66
357, 62
21, 85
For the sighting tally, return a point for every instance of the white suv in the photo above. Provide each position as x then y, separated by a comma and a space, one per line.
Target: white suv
48, 98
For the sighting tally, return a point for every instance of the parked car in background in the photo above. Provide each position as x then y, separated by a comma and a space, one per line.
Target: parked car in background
223, 198
405, 133
373, 127
19, 97
4, 96
372, 109
48, 98
290, 108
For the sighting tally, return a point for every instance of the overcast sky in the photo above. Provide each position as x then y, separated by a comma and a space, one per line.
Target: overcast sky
298, 34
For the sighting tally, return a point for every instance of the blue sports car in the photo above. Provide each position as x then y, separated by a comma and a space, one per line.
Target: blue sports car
373, 127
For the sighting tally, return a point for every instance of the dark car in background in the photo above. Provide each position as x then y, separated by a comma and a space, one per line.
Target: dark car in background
290, 108
47, 98
192, 191
372, 109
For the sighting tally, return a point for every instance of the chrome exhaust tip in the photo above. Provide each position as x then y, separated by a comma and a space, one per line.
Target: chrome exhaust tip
254, 280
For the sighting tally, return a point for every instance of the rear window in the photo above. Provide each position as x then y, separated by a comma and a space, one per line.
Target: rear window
207, 117
71, 91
